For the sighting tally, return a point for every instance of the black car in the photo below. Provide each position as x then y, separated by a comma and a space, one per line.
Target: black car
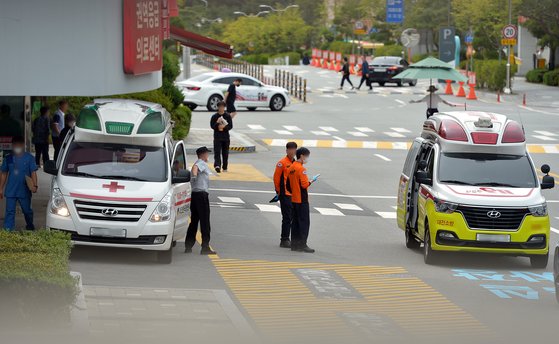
383, 68
556, 272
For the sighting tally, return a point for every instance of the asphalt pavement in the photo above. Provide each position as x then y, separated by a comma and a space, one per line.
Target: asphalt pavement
362, 284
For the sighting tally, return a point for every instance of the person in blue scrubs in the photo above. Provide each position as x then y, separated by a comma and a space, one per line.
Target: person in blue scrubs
13, 186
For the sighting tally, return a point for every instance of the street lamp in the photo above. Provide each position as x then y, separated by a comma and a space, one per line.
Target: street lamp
279, 9
250, 15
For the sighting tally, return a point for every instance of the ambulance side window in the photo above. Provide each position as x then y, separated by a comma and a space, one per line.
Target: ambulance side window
412, 154
431, 162
179, 160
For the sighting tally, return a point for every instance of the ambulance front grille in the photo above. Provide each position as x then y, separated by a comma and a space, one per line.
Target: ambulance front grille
109, 211
509, 219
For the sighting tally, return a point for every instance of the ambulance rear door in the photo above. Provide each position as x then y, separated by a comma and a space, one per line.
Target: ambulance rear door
181, 191
404, 191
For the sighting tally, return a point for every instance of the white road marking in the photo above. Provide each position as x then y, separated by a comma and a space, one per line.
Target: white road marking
292, 127
231, 200
544, 138
329, 129
554, 230
545, 133
395, 207
320, 133
386, 214
337, 138
329, 211
400, 101
357, 134
393, 134
256, 127
348, 206
283, 132
364, 129
382, 157
310, 193
400, 130
269, 208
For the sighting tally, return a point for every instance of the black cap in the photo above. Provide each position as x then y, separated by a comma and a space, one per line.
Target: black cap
202, 150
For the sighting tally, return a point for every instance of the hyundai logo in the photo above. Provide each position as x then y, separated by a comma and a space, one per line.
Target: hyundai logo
109, 212
494, 214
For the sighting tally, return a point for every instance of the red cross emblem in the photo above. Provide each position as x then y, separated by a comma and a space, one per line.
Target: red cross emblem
113, 186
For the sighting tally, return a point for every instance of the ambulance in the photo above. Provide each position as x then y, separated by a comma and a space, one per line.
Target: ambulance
469, 184
121, 180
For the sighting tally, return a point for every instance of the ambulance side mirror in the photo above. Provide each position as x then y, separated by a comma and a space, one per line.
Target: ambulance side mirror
183, 176
423, 177
548, 182
50, 168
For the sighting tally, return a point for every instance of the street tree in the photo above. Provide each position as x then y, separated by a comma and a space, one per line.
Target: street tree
543, 22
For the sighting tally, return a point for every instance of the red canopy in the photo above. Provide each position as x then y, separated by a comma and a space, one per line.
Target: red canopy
205, 44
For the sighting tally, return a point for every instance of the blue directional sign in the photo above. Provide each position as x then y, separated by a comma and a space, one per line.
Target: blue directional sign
395, 11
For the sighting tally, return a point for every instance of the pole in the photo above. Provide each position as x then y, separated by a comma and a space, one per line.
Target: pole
508, 89
186, 70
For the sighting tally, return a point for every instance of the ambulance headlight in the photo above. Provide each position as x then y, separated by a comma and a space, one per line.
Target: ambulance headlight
444, 206
538, 210
58, 204
163, 210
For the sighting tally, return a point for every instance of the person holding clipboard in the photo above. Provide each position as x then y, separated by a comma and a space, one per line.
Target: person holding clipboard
17, 182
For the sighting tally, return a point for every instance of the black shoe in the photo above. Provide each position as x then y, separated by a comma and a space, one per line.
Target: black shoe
207, 251
188, 250
285, 243
306, 249
218, 169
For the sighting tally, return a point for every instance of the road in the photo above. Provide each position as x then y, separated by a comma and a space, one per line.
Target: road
362, 284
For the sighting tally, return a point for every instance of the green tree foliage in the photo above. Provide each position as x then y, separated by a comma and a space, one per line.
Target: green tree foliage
543, 22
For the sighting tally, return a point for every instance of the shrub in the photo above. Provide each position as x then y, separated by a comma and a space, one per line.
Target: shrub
551, 78
35, 285
260, 59
492, 74
389, 50
182, 116
294, 58
536, 75
173, 93
171, 68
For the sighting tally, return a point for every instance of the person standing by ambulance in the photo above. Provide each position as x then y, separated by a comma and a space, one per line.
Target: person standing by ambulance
299, 184
283, 192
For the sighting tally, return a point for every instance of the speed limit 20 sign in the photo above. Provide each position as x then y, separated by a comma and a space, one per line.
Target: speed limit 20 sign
510, 31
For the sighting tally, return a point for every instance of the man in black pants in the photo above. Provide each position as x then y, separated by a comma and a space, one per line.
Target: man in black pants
41, 130
345, 73
221, 122
283, 192
231, 96
365, 74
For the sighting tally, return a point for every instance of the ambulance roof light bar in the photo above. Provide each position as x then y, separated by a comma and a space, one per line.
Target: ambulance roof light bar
514, 133
452, 131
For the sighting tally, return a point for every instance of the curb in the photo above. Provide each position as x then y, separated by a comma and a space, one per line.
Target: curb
241, 144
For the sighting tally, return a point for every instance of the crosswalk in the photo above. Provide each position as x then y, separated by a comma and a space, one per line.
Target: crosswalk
335, 209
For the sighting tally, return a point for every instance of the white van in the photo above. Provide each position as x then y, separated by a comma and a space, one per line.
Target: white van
121, 180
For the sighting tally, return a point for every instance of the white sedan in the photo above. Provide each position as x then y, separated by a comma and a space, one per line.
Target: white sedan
209, 88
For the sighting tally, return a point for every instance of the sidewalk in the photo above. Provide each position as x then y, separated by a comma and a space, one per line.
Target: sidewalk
536, 95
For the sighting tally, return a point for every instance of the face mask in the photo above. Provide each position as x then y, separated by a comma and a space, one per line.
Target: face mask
18, 150
306, 160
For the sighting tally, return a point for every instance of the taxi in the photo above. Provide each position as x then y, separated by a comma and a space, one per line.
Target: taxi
469, 184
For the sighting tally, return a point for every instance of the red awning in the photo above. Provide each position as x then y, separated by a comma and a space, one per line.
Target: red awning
205, 44
173, 8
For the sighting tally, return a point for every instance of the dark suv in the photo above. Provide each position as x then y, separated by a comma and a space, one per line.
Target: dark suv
383, 68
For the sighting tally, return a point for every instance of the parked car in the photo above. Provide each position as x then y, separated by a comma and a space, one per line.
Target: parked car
208, 89
384, 68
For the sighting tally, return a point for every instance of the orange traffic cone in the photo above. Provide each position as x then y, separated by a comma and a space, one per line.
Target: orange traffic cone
472, 93
461, 91
325, 63
332, 65
448, 90
352, 69
216, 67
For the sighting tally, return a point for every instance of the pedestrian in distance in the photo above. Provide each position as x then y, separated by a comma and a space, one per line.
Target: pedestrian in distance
41, 131
299, 184
69, 124
365, 74
433, 101
283, 192
345, 74
200, 204
221, 122
231, 97
17, 182
57, 124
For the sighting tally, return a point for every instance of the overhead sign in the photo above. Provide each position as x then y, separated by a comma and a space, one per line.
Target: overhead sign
508, 41
510, 31
447, 44
395, 11
143, 36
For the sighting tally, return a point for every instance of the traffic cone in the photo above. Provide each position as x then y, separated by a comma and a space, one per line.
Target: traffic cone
332, 65
461, 91
352, 69
313, 62
448, 90
325, 63
338, 66
216, 67
472, 93
498, 96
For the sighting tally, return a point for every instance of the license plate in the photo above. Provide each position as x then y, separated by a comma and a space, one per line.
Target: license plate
493, 237
380, 70
108, 232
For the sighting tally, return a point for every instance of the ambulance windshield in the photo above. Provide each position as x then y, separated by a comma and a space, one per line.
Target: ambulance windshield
115, 161
487, 170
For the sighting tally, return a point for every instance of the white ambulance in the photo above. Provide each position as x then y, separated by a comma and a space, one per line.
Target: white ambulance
121, 180
469, 184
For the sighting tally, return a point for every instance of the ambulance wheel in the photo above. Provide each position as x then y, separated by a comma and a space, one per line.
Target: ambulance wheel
539, 261
165, 257
411, 240
429, 256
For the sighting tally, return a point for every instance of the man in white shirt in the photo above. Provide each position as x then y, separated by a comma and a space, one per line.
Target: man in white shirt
57, 124
433, 101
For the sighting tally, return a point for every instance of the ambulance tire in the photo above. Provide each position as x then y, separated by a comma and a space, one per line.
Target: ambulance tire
165, 257
539, 261
429, 256
411, 240
277, 103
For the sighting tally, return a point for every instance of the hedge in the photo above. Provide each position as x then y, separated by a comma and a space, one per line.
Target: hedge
551, 78
35, 285
389, 50
492, 74
294, 58
261, 59
536, 75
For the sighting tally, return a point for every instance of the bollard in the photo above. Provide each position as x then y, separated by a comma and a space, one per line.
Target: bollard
461, 91
300, 88
524, 100
291, 84
498, 96
472, 93
448, 89
296, 86
305, 91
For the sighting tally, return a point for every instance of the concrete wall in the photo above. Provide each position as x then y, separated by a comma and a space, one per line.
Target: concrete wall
65, 47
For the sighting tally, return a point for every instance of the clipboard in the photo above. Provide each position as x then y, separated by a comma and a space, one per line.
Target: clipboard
30, 184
